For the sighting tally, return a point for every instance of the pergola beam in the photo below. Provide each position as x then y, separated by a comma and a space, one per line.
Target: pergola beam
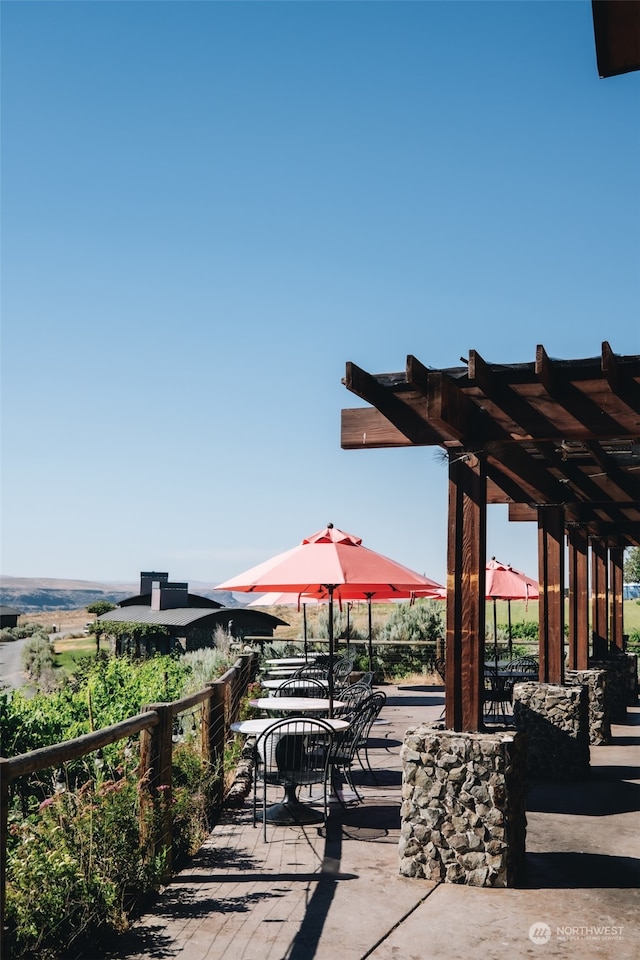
555, 440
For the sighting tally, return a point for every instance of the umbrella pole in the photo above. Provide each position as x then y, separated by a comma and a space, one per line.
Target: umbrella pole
510, 641
495, 634
348, 625
370, 634
304, 623
330, 589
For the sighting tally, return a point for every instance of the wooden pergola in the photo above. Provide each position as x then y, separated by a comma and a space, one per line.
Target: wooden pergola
556, 440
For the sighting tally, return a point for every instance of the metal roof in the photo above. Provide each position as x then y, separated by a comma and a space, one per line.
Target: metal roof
188, 616
180, 617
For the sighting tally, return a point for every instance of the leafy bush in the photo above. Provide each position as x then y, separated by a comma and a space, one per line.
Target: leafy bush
37, 657
633, 645
409, 623
82, 852
82, 847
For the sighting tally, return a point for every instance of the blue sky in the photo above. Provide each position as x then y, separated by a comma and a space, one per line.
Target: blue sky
208, 208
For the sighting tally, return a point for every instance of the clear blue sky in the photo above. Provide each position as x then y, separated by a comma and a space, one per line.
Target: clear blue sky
208, 208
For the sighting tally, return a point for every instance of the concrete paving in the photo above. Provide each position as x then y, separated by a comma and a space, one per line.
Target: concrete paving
311, 894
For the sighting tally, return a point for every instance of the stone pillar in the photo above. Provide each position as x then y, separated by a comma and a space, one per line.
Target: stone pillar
463, 806
617, 670
556, 720
631, 660
599, 717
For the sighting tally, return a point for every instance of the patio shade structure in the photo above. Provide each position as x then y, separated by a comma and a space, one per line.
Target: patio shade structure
502, 582
327, 562
556, 441
287, 600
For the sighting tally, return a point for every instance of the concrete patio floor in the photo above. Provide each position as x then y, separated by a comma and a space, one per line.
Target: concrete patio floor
308, 894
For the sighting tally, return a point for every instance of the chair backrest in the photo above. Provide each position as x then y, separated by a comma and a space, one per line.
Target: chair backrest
294, 750
362, 717
301, 687
524, 665
438, 663
341, 669
351, 696
367, 678
371, 708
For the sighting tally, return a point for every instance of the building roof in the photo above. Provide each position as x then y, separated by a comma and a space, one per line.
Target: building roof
193, 600
9, 611
187, 616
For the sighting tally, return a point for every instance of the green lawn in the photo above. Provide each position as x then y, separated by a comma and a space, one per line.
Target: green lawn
68, 651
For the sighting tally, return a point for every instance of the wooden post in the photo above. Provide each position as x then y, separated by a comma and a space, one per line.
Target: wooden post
213, 735
551, 601
466, 559
155, 775
599, 599
578, 599
616, 580
4, 826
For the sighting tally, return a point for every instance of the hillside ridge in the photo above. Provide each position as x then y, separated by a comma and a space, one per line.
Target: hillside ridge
33, 594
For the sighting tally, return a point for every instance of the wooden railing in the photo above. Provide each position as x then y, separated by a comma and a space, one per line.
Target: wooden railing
220, 702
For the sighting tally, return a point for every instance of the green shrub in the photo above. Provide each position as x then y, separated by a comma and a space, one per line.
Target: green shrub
82, 852
37, 657
409, 623
81, 848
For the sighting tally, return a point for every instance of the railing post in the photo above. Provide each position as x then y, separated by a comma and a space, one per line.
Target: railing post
214, 735
4, 821
156, 786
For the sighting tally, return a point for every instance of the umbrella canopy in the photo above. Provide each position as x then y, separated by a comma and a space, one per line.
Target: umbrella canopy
505, 583
288, 600
328, 562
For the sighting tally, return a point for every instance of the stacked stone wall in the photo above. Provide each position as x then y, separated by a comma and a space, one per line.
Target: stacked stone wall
463, 806
556, 721
617, 670
599, 719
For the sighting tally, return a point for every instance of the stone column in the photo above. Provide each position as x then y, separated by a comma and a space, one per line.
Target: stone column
599, 715
556, 720
463, 806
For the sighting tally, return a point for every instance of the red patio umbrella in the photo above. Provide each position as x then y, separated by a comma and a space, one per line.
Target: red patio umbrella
325, 564
287, 600
505, 583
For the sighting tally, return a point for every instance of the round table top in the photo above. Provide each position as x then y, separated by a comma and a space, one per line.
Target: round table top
301, 684
289, 661
295, 704
260, 724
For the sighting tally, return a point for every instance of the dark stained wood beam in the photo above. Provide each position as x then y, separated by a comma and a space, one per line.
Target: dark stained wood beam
616, 609
577, 403
551, 598
407, 417
578, 599
511, 404
466, 559
616, 27
363, 428
599, 600
622, 377
627, 483
448, 409
522, 513
530, 475
581, 486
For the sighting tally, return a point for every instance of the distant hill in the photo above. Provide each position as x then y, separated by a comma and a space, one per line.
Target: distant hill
34, 594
